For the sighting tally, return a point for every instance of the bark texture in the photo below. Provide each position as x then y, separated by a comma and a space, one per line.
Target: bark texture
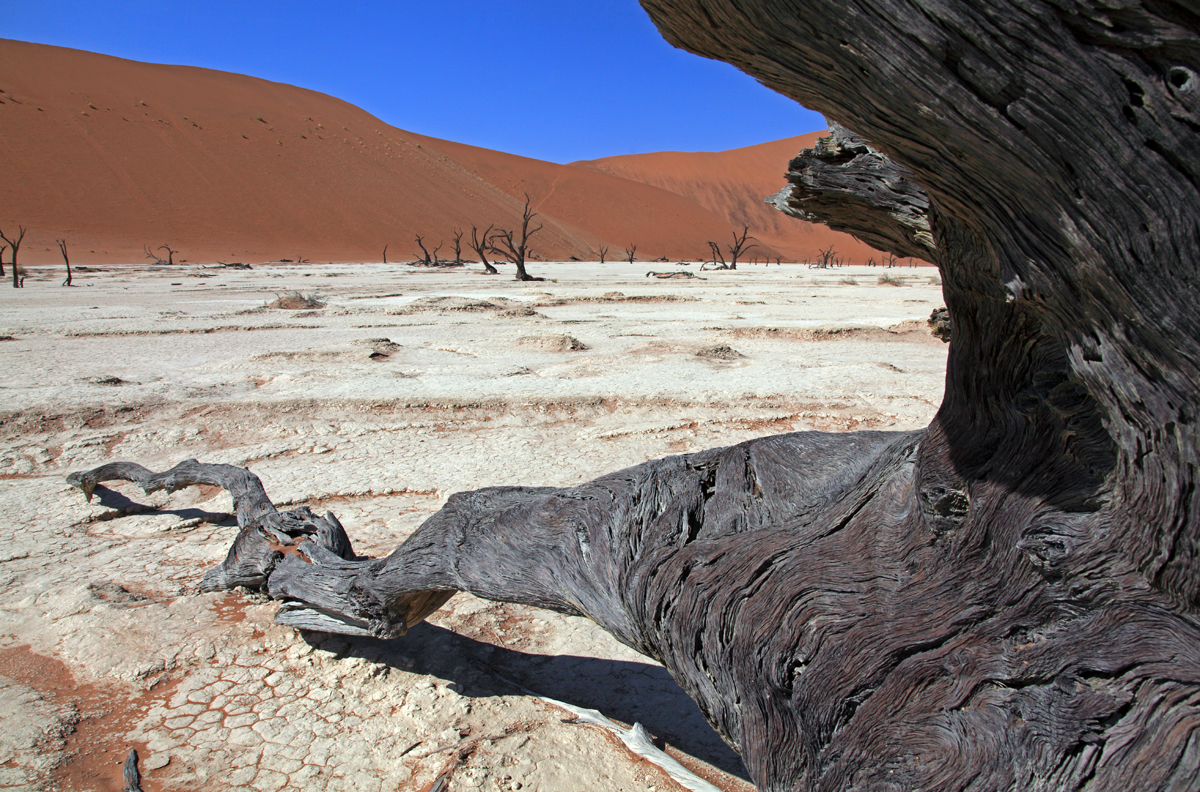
1039, 623
1005, 600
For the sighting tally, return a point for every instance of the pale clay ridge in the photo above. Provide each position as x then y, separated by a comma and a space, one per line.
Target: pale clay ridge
221, 698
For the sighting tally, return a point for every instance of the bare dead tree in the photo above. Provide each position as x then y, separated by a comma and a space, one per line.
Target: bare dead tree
826, 258
514, 247
169, 260
603, 253
458, 235
739, 246
62, 246
425, 253
482, 244
14, 245
2, 249
385, 247
150, 254
437, 260
717, 255
629, 251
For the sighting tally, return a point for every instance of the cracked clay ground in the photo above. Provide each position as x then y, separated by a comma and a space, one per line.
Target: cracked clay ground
406, 386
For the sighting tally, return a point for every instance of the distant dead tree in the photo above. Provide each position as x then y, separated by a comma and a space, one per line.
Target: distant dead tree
603, 253
629, 251
15, 245
62, 245
2, 249
717, 256
505, 243
385, 247
436, 260
421, 242
739, 246
481, 245
458, 235
169, 260
825, 259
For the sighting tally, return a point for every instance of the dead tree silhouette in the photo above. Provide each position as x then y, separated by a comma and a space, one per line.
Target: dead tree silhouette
482, 245
515, 245
14, 245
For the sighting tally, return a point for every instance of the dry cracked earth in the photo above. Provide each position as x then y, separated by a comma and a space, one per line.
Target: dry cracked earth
384, 391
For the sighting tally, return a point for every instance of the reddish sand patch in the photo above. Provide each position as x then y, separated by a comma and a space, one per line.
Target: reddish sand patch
96, 749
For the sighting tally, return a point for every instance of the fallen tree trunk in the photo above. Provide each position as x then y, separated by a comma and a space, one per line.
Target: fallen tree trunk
1007, 599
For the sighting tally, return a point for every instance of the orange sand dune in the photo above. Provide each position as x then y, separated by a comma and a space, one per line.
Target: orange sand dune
112, 154
732, 184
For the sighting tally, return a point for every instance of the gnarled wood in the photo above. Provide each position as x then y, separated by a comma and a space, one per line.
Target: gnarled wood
845, 183
265, 534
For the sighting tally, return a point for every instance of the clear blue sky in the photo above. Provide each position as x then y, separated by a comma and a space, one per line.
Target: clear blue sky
559, 81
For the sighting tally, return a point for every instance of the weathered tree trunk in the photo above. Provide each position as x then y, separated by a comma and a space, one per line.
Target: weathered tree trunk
481, 245
427, 260
1030, 620
1005, 600
62, 246
14, 245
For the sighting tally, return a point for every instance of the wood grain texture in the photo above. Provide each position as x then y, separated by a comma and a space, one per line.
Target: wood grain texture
1005, 600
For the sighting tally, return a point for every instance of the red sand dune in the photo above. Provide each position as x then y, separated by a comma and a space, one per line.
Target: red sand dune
732, 184
112, 154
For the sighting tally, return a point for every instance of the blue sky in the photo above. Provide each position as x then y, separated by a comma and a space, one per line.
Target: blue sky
559, 81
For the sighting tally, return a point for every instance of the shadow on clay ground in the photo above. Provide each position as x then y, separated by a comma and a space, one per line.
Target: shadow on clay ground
625, 691
122, 505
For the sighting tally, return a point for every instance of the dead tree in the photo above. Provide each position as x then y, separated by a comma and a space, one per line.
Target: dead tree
1006, 599
2, 249
716, 255
168, 261
516, 248
458, 235
14, 245
62, 245
629, 251
437, 260
426, 260
385, 247
826, 258
482, 245
739, 246
603, 252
